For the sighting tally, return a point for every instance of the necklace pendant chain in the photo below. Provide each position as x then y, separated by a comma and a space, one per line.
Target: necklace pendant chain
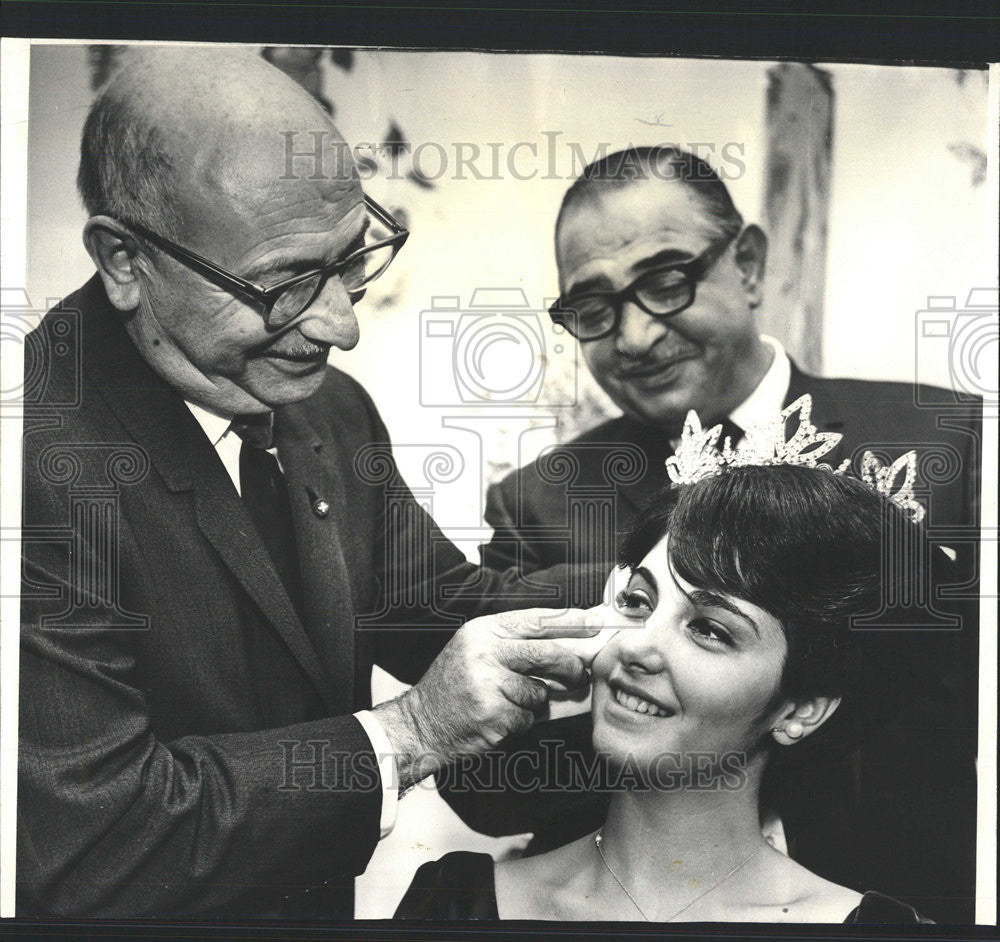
598, 841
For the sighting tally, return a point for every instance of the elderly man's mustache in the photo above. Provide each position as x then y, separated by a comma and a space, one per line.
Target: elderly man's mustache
292, 347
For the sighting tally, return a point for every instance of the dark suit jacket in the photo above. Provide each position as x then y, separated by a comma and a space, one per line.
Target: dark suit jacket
900, 816
186, 742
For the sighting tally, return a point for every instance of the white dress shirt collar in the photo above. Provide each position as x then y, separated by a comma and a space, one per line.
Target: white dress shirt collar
213, 424
225, 441
769, 396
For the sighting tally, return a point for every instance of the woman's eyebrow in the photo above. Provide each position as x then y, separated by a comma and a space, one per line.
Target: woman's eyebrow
711, 600
707, 599
644, 574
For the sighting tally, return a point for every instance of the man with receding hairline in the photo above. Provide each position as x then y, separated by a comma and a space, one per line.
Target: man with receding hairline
660, 281
195, 734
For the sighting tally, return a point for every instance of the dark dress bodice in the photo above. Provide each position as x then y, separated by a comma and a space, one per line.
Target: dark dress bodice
461, 886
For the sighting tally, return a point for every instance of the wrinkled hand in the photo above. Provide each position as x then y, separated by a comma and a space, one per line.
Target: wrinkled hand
483, 687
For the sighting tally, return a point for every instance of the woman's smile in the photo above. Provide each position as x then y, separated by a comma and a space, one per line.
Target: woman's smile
635, 700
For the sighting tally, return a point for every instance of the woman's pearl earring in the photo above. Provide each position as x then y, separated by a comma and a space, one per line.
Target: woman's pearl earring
793, 729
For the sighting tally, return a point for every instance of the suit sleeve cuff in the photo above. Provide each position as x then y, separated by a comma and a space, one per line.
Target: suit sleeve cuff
386, 759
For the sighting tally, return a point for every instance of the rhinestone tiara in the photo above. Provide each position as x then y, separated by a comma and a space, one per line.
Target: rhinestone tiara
699, 456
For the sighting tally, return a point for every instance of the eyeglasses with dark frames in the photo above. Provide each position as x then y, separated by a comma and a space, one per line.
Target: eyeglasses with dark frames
661, 293
281, 303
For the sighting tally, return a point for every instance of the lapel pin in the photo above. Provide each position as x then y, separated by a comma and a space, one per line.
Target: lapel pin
321, 507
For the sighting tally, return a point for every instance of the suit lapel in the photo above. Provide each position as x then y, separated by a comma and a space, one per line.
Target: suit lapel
159, 422
320, 512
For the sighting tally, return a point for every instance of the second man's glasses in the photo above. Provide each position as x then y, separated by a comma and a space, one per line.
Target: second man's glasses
661, 293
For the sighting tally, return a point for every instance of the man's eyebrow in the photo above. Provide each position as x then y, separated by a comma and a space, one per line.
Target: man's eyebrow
706, 599
661, 259
595, 283
365, 226
288, 262
359, 239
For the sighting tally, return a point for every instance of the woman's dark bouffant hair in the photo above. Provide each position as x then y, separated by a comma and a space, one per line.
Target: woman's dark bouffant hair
811, 548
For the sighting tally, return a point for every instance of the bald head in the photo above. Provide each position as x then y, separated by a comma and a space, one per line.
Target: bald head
178, 126
201, 148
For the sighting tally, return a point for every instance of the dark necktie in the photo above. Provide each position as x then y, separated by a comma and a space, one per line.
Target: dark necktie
265, 496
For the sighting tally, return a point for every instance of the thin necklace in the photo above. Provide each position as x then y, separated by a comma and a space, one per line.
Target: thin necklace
598, 839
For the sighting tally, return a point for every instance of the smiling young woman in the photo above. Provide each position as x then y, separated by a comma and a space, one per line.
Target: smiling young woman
734, 652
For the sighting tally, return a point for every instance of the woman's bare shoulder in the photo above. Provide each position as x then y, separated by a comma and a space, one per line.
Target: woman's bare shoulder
542, 887
799, 895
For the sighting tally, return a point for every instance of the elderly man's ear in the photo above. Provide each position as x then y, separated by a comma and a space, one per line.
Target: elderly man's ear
113, 250
751, 259
802, 719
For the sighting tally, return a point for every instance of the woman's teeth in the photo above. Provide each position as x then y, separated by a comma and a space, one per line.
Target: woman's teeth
637, 705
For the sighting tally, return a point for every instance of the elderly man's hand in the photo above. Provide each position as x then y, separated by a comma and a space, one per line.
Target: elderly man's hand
483, 687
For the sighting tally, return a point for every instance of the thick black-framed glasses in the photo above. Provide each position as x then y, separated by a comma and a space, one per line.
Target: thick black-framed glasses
281, 303
662, 292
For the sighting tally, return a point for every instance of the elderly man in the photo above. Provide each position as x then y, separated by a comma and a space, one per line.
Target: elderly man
193, 737
660, 280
